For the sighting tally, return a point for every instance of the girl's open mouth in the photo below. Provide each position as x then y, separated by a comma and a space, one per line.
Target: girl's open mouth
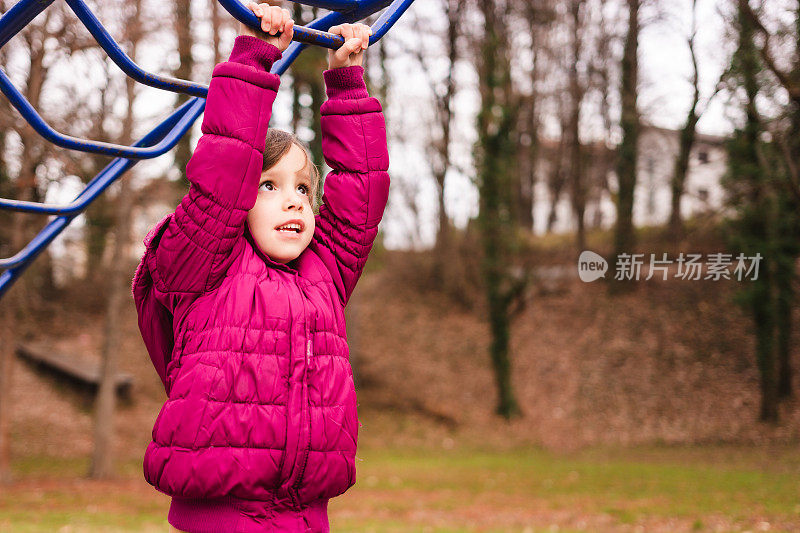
291, 229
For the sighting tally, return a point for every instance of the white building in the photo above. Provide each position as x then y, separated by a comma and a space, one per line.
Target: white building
658, 148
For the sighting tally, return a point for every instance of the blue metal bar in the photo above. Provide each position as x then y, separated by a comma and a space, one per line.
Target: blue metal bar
333, 5
301, 34
19, 16
180, 121
365, 9
164, 136
125, 63
388, 18
314, 33
73, 143
182, 117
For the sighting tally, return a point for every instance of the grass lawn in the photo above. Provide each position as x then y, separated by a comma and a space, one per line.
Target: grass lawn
711, 488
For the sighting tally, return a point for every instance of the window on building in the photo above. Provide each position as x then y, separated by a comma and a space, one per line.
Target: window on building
702, 157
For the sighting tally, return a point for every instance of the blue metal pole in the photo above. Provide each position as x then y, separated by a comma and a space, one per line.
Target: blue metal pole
124, 62
19, 16
25, 109
176, 125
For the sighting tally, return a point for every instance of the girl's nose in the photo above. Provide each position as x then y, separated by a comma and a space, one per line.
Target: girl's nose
293, 201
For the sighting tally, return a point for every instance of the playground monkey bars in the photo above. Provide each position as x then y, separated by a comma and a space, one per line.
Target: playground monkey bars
164, 136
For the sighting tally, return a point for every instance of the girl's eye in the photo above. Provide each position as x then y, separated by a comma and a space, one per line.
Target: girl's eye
303, 188
267, 186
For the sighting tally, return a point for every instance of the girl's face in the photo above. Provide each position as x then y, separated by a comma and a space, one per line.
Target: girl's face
283, 202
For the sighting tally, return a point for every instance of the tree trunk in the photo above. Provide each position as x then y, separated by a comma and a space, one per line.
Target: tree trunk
764, 319
183, 25
786, 293
441, 146
99, 214
686, 142
216, 26
681, 169
495, 162
576, 91
751, 177
99, 221
297, 14
31, 158
763, 300
534, 14
12, 304
383, 86
784, 309
102, 466
8, 343
556, 179
19, 299
9, 331
624, 237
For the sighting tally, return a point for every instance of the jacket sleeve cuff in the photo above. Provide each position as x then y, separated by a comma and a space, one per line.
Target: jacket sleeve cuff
255, 52
345, 83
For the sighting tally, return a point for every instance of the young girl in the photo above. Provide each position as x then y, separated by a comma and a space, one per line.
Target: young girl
241, 297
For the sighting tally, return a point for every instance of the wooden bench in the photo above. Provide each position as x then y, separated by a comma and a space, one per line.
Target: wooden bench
80, 372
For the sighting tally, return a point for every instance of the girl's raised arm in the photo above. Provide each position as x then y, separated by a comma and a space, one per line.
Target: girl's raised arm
357, 188
194, 247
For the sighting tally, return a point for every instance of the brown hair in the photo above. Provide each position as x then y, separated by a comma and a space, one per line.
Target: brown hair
278, 144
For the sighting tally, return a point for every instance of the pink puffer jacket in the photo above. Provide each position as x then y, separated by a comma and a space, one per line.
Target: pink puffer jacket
259, 428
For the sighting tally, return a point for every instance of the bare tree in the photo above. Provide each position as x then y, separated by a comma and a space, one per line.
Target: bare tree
557, 174
183, 23
537, 16
495, 169
216, 26
787, 78
102, 458
444, 114
443, 89
624, 237
577, 91
601, 64
687, 136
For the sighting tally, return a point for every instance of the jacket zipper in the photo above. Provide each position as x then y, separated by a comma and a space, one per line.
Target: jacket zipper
302, 470
304, 402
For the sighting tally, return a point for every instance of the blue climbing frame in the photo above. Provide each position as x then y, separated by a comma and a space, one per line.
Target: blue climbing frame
164, 136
